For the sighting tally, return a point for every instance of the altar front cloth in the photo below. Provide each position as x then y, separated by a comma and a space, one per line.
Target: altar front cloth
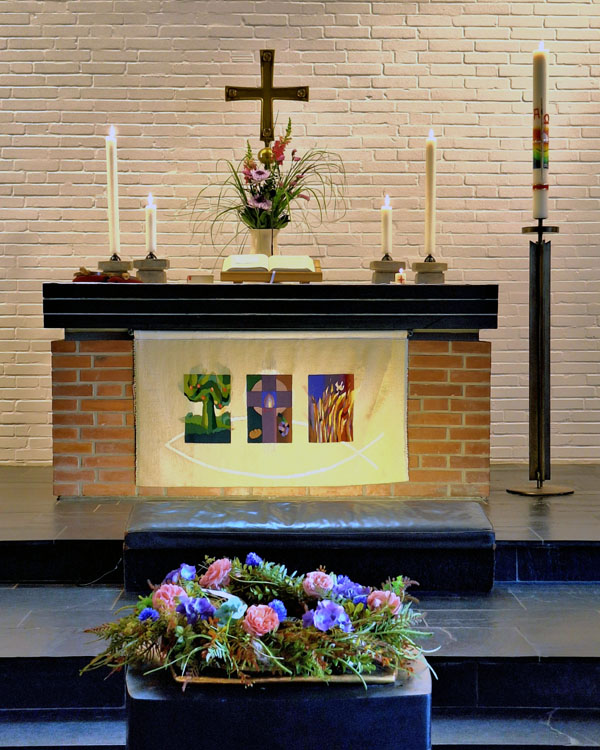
286, 409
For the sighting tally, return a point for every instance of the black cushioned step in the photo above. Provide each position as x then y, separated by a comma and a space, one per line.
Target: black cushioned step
445, 545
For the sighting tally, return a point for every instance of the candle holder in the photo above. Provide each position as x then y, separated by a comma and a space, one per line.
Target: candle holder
429, 271
152, 270
539, 367
385, 270
115, 266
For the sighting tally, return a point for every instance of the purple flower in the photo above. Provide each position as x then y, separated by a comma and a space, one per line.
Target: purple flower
252, 559
260, 175
347, 589
148, 613
195, 609
308, 619
331, 615
263, 203
279, 608
183, 572
362, 599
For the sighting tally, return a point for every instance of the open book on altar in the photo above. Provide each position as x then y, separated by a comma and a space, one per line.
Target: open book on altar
261, 262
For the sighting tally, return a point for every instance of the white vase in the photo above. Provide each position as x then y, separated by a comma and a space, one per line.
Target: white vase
264, 241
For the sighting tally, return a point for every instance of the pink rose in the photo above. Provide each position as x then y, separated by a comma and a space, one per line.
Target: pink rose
260, 619
378, 599
317, 583
164, 597
217, 574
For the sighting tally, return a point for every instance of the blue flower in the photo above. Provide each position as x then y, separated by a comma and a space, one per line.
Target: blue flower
183, 572
331, 615
252, 559
231, 609
195, 609
308, 619
187, 572
347, 589
361, 599
148, 613
279, 608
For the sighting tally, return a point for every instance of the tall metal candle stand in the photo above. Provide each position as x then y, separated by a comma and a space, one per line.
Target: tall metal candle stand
539, 367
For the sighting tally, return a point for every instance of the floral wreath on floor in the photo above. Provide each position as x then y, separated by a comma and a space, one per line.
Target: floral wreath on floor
243, 619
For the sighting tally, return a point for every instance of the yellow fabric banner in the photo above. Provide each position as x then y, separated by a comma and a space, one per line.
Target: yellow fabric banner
270, 409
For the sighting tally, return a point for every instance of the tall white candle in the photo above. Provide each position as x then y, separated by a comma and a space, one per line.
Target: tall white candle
386, 226
112, 191
430, 156
541, 133
150, 225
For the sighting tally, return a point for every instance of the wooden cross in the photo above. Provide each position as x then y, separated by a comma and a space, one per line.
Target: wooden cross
266, 93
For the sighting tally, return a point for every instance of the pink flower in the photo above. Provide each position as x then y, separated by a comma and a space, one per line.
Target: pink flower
217, 574
260, 175
263, 203
260, 619
378, 599
164, 596
317, 583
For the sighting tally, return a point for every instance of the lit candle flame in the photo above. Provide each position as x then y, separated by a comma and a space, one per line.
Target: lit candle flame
150, 200
112, 133
431, 135
541, 47
387, 202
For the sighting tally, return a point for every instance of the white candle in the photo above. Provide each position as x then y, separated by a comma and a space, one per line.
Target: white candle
541, 132
150, 225
430, 156
386, 226
112, 191
401, 276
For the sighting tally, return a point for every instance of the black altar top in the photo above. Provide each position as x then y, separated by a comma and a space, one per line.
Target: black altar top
282, 307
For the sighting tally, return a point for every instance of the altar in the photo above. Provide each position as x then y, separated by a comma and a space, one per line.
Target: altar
99, 397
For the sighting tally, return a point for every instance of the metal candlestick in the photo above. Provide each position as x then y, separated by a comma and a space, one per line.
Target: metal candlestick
539, 367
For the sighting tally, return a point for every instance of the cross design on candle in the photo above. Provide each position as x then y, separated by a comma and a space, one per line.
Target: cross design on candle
267, 93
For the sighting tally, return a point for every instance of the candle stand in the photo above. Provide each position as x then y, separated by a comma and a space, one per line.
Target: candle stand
385, 270
429, 271
115, 266
152, 270
539, 367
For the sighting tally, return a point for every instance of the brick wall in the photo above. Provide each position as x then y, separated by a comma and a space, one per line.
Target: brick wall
93, 430
448, 425
380, 75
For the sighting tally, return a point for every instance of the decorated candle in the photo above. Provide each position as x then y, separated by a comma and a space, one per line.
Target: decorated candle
430, 156
112, 191
150, 225
541, 133
386, 227
400, 277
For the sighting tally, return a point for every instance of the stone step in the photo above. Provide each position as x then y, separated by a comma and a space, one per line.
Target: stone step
49, 730
514, 729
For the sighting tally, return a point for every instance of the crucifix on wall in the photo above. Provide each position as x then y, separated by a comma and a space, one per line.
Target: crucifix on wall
267, 93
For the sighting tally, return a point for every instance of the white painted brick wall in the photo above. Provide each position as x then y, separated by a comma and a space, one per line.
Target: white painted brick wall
380, 74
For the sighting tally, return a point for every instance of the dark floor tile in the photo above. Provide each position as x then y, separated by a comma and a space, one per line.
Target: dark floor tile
479, 641
515, 728
500, 598
548, 597
569, 633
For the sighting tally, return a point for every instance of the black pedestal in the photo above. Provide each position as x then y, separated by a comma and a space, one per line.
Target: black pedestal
278, 717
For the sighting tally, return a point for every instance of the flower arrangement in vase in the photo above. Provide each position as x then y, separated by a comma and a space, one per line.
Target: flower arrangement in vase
264, 191
245, 620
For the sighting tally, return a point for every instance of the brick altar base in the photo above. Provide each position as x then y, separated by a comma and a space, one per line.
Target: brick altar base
448, 425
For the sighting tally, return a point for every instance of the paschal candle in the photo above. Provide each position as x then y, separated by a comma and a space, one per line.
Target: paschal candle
541, 133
